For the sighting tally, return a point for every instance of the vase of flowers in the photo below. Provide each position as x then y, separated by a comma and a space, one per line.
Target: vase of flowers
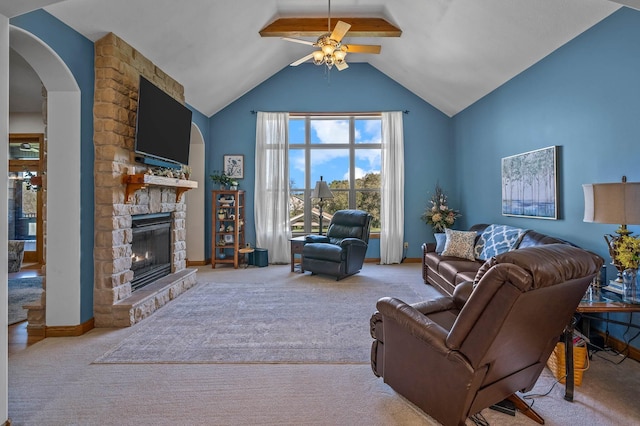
627, 256
438, 214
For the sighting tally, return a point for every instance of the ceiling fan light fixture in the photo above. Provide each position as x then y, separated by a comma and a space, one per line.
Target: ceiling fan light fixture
318, 57
331, 50
327, 47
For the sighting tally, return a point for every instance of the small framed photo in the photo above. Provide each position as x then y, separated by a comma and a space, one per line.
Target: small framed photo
228, 239
234, 166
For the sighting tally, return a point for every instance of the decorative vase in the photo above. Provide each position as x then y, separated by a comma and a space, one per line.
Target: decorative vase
630, 286
233, 187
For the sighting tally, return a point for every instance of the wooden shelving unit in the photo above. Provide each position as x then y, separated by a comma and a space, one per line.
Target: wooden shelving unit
142, 180
227, 224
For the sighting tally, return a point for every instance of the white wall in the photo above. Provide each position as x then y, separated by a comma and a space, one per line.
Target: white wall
195, 199
26, 122
4, 171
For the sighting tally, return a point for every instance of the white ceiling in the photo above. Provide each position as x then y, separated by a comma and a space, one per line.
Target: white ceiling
451, 52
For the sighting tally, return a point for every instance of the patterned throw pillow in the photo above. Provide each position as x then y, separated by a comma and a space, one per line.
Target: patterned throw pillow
497, 239
460, 244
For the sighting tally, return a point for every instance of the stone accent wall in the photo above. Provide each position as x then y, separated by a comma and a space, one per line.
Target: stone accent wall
118, 67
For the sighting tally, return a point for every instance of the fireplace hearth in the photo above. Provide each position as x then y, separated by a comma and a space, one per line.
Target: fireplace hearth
151, 248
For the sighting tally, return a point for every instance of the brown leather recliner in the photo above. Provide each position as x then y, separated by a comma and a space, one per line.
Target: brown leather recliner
454, 356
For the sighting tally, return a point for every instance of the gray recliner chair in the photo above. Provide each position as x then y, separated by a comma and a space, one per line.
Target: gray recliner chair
342, 251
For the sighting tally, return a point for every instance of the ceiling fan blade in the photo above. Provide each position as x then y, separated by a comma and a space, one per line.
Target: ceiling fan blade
297, 40
342, 66
339, 30
363, 48
301, 60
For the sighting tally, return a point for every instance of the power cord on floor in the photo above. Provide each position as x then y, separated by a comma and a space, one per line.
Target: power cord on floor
624, 352
478, 419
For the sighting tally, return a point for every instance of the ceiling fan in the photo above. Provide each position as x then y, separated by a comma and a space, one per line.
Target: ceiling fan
331, 49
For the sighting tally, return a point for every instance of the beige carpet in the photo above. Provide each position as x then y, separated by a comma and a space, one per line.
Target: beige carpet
296, 318
55, 382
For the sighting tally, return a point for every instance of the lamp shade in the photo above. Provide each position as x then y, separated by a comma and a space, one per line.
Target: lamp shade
617, 203
321, 190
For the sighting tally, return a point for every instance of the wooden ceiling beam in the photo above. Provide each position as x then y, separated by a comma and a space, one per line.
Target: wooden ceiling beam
315, 27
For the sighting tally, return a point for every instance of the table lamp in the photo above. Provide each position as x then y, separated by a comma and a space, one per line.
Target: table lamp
322, 192
615, 203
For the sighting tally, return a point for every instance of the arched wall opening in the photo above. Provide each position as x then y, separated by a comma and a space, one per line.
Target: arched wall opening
195, 200
62, 239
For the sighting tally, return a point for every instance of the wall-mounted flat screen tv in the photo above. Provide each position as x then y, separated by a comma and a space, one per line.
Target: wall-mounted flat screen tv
163, 125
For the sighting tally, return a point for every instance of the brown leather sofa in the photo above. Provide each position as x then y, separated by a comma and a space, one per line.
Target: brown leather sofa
446, 272
454, 356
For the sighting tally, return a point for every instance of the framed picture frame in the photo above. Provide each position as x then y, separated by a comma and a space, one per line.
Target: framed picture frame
529, 184
228, 239
233, 166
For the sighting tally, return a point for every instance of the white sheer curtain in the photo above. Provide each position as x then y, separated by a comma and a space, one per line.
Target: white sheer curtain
392, 189
271, 203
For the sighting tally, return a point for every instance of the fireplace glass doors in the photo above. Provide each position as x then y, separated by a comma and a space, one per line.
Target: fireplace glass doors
151, 248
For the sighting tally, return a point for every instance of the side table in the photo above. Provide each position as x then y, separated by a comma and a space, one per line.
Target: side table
596, 301
246, 251
297, 244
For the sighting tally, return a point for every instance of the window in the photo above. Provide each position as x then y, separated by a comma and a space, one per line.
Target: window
345, 150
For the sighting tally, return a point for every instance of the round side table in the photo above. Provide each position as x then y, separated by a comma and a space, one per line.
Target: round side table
246, 251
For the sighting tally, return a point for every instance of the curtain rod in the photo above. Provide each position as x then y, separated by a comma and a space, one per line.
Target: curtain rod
406, 111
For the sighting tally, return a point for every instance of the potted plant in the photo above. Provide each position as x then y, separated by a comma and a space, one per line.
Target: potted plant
220, 178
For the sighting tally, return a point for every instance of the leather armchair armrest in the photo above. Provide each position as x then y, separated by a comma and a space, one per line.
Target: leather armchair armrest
428, 248
461, 293
416, 323
443, 303
316, 239
352, 242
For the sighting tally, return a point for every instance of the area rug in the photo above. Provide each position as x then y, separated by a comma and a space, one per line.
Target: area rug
22, 291
302, 320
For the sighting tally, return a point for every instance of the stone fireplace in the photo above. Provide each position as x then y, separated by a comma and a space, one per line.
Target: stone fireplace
122, 212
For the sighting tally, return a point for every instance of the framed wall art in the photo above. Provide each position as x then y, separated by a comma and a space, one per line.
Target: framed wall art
529, 184
234, 166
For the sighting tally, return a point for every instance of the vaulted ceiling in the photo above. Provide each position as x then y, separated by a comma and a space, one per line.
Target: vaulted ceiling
451, 52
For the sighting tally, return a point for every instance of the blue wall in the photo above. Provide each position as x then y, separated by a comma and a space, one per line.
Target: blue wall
583, 98
362, 88
77, 53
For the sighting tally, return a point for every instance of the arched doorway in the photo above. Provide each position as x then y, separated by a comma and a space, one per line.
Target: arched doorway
62, 241
195, 200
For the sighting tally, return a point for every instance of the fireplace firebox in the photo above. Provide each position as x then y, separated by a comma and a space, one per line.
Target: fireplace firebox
150, 248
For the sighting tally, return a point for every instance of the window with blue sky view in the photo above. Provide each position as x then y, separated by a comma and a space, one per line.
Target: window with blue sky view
346, 152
